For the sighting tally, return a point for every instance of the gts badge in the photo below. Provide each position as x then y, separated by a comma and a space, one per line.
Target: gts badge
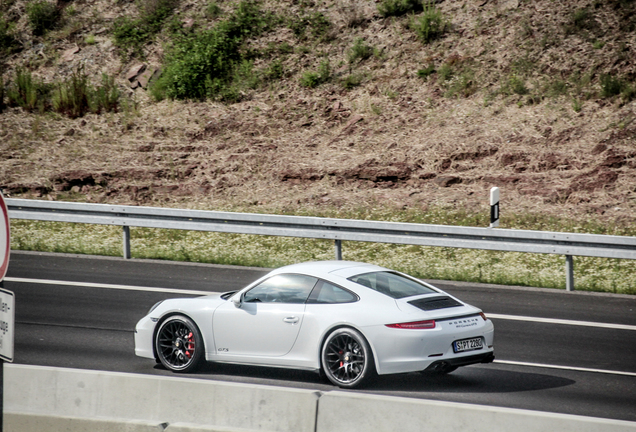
223, 350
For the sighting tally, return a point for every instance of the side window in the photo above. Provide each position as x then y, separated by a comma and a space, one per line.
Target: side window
327, 293
285, 288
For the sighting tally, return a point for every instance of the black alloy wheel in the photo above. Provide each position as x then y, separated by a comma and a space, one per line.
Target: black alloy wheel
179, 344
346, 358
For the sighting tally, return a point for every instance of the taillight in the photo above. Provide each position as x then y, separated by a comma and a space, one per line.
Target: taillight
415, 325
483, 315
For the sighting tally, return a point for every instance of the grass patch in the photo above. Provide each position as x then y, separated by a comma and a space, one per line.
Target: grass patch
27, 92
594, 274
597, 274
73, 97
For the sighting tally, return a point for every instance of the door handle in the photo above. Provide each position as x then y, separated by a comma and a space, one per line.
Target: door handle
291, 320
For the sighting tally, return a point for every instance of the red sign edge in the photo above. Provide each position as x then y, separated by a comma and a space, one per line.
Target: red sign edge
5, 263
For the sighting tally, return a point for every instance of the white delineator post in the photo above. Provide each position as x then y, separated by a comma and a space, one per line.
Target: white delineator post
494, 207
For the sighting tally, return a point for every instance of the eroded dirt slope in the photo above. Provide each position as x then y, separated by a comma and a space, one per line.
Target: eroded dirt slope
395, 140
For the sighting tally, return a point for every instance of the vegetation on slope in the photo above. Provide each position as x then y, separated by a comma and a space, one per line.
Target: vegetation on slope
402, 107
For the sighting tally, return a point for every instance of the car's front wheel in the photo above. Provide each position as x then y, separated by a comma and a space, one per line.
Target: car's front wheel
346, 357
179, 344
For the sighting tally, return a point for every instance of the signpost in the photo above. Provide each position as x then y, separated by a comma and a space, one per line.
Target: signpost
7, 302
494, 207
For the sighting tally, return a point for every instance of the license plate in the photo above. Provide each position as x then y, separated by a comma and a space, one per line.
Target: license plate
468, 345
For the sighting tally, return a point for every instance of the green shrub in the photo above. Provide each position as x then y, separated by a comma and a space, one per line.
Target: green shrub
316, 24
274, 71
7, 41
2, 105
515, 84
351, 81
430, 24
244, 75
314, 79
106, 97
213, 10
42, 15
426, 72
445, 72
628, 93
388, 8
25, 91
580, 18
360, 51
611, 86
462, 85
72, 96
132, 34
556, 87
310, 79
209, 63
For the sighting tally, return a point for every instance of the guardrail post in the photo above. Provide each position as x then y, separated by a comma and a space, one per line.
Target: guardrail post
569, 273
127, 242
338, 245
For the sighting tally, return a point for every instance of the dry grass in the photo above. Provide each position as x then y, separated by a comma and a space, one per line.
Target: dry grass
292, 149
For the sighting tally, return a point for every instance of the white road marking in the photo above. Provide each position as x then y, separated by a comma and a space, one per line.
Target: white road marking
195, 292
496, 316
562, 321
109, 286
579, 369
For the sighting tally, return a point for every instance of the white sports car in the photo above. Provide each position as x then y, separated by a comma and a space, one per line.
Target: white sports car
350, 320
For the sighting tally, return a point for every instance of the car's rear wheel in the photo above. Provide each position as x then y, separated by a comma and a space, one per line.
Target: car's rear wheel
179, 344
346, 357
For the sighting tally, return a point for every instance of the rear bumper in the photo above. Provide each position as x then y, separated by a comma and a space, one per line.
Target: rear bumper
487, 357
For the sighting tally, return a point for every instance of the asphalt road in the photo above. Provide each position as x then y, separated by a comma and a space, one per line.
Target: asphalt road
548, 366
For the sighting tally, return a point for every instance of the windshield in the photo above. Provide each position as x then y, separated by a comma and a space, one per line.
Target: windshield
392, 284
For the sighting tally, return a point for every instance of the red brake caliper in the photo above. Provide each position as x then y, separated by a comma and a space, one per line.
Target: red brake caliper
190, 345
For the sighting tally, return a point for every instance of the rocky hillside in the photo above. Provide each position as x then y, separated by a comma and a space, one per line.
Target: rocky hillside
298, 105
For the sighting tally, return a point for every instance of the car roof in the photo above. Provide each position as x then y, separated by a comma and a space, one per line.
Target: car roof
321, 268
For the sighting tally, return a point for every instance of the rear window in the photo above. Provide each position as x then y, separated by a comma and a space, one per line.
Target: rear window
392, 284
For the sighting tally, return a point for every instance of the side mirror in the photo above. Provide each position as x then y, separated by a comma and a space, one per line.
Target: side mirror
237, 299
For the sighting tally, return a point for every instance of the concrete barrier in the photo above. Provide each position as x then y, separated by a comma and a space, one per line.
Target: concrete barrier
40, 398
82, 394
388, 414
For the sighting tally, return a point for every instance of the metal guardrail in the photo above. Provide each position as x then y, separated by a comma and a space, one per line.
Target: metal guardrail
507, 240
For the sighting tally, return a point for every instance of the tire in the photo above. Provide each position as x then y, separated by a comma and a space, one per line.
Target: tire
179, 344
346, 358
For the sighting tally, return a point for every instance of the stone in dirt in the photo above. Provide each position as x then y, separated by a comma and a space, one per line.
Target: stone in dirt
134, 71
69, 54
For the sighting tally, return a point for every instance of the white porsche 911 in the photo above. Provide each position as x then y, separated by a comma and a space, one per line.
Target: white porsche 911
350, 320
